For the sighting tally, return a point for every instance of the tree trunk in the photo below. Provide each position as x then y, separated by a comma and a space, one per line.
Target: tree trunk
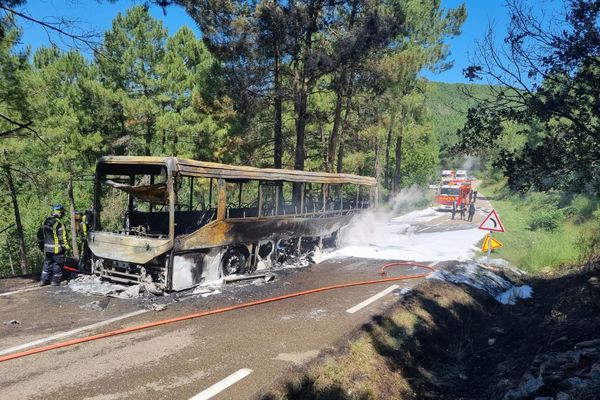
18, 224
377, 165
278, 136
149, 134
397, 178
337, 120
72, 216
340, 159
388, 146
300, 108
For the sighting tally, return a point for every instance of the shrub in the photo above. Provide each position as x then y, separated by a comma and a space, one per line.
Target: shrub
545, 218
583, 207
588, 243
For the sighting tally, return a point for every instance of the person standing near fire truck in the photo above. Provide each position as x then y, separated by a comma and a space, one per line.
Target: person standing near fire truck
53, 240
471, 211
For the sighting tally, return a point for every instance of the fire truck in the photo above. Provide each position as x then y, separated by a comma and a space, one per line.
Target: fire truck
451, 190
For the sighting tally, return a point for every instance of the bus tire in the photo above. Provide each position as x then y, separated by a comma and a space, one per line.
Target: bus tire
234, 261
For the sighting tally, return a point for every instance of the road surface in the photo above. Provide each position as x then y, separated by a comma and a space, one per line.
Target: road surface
235, 355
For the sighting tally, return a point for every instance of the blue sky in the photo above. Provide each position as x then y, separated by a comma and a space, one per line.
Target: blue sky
90, 15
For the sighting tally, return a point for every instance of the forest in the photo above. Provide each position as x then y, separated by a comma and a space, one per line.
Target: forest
311, 85
308, 85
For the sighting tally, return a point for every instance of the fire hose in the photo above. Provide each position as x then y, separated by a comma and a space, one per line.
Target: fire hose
148, 325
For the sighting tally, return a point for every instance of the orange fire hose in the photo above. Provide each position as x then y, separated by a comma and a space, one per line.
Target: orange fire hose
72, 342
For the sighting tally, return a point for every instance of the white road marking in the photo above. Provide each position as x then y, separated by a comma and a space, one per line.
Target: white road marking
69, 333
372, 299
222, 385
20, 291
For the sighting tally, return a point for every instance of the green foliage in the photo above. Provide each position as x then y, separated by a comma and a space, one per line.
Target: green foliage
557, 238
548, 97
588, 241
545, 218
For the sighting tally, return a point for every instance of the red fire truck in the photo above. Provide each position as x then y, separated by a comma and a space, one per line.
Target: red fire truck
455, 190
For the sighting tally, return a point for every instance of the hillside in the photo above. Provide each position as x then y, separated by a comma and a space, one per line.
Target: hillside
448, 104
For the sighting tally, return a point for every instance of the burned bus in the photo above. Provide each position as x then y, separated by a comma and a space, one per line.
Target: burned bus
179, 223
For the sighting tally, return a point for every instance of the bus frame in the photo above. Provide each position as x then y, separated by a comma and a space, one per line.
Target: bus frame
178, 249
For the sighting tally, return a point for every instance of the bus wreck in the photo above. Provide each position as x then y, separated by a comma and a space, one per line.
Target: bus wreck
179, 223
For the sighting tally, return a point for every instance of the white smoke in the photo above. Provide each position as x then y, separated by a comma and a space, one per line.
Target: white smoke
469, 162
370, 227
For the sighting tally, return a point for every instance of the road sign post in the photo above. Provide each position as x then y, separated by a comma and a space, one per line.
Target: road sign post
489, 248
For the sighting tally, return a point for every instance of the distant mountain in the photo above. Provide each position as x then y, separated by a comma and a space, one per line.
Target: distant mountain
449, 103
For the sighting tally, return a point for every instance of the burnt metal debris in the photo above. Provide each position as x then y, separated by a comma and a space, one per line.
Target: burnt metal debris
177, 223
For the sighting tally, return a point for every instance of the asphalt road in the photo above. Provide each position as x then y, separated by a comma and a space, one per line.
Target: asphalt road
254, 347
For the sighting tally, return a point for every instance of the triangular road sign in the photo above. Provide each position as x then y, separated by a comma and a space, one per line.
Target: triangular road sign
490, 241
492, 222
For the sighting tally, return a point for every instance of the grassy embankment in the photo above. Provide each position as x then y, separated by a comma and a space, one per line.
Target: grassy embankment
545, 230
425, 345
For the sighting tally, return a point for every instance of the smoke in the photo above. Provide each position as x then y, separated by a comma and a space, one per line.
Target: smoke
372, 226
469, 163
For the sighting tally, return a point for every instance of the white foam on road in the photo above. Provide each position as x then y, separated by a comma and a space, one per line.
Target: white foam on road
397, 240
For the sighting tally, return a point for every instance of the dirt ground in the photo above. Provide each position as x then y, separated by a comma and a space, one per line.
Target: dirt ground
446, 341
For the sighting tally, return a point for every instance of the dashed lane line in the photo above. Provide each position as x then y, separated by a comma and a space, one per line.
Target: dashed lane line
379, 295
222, 385
371, 299
20, 291
70, 333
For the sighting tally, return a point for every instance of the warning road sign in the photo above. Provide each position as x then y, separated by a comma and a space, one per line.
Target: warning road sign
490, 241
492, 222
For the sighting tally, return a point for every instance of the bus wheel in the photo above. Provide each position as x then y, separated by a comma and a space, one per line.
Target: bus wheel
233, 261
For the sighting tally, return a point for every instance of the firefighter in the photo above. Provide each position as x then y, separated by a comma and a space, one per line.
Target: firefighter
454, 205
55, 246
85, 223
471, 211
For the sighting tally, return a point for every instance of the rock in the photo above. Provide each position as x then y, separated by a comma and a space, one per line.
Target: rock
575, 382
531, 385
588, 343
513, 395
562, 396
544, 398
595, 371
491, 341
558, 341
156, 307
269, 277
593, 286
13, 322
504, 367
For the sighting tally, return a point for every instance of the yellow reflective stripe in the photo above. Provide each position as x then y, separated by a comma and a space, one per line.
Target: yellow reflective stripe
84, 227
55, 236
65, 241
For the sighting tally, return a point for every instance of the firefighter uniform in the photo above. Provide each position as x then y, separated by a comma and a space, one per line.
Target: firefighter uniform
85, 223
55, 246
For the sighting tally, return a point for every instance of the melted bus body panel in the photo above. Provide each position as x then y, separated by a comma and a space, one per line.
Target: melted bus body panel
179, 223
